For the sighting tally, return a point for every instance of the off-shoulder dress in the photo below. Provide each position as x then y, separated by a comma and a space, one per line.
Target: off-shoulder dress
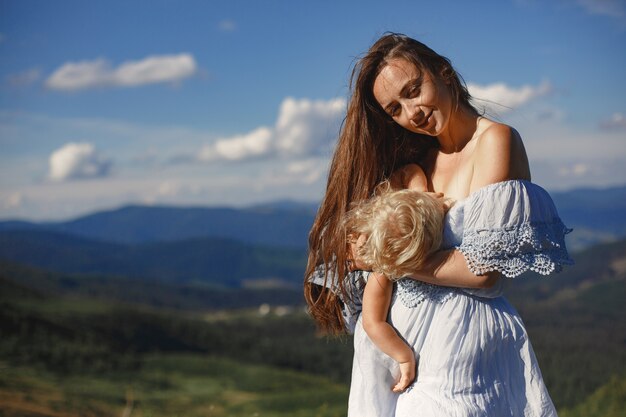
473, 354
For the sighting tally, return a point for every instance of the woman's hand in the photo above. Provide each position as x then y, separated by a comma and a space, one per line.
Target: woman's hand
354, 262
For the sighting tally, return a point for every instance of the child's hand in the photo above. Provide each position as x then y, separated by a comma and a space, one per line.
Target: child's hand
407, 375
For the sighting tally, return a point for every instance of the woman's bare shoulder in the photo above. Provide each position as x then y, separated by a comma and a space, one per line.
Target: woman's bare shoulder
499, 155
497, 135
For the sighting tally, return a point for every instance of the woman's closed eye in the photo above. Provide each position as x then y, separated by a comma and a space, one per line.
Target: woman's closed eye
414, 89
393, 110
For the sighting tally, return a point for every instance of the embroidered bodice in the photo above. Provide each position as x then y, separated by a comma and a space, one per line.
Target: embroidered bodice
510, 227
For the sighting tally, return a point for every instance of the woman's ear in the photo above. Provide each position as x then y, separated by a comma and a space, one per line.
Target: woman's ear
446, 73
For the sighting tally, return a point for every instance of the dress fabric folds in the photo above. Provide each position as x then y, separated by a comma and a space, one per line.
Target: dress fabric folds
473, 355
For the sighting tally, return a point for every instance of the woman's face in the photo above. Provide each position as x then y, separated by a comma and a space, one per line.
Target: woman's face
413, 99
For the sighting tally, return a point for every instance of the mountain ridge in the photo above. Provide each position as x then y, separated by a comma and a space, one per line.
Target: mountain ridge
214, 260
597, 215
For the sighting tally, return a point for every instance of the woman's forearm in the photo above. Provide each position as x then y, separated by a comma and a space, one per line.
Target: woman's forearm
449, 268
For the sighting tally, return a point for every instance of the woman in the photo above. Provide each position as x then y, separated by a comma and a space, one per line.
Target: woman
408, 105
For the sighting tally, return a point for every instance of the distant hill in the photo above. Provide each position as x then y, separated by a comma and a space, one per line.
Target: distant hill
601, 266
210, 260
278, 224
19, 282
597, 215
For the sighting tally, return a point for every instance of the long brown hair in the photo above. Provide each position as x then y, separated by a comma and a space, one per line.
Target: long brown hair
370, 147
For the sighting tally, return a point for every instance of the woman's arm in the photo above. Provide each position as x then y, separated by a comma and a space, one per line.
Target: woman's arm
499, 156
449, 268
376, 300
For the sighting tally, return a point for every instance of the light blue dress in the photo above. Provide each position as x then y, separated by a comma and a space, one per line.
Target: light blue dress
472, 349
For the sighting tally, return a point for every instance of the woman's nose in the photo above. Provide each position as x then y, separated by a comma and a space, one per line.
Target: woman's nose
412, 111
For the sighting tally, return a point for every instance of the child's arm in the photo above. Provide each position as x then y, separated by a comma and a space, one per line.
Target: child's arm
376, 300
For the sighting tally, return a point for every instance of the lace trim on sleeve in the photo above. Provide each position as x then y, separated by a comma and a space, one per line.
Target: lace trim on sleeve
539, 247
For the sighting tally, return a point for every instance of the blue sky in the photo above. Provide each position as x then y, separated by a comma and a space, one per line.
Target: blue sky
108, 103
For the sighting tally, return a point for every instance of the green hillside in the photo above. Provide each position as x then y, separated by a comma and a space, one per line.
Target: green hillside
144, 292
171, 385
73, 345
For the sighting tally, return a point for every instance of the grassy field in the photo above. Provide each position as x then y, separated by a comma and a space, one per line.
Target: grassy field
171, 385
607, 401
199, 385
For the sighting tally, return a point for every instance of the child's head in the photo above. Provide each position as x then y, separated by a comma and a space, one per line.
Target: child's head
401, 228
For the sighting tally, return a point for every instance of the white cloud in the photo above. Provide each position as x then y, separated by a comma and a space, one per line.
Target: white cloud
80, 75
617, 121
308, 170
74, 76
304, 127
502, 97
612, 8
77, 160
250, 145
156, 69
227, 25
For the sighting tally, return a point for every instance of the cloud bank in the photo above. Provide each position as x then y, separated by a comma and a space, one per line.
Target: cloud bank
73, 76
501, 97
617, 121
77, 161
303, 128
612, 8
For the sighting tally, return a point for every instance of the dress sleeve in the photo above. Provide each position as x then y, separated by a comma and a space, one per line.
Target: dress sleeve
354, 284
513, 227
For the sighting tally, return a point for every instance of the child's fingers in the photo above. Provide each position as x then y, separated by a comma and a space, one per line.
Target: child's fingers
399, 387
407, 375
404, 382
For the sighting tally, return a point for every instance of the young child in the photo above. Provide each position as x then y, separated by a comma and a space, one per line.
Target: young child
392, 234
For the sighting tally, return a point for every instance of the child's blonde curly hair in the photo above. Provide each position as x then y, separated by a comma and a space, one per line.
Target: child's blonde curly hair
402, 227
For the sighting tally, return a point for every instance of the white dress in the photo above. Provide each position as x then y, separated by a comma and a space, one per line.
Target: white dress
472, 349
